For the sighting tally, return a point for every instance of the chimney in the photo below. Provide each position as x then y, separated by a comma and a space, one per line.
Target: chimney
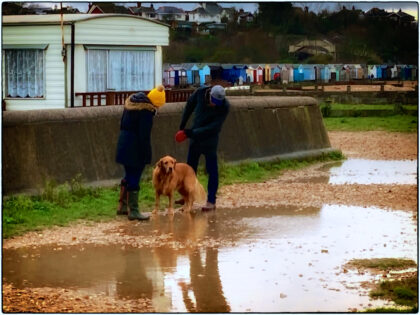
138, 4
151, 5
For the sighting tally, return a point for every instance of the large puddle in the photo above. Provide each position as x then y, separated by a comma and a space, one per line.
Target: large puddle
254, 260
359, 171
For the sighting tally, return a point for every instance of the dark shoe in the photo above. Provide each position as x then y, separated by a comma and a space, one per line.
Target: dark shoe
122, 205
209, 207
133, 206
180, 201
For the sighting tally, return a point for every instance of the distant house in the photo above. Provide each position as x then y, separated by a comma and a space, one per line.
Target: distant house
206, 12
401, 17
112, 52
107, 7
12, 8
376, 13
146, 12
228, 13
167, 13
245, 17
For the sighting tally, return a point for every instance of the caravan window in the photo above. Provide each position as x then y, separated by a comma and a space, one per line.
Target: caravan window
24, 73
120, 70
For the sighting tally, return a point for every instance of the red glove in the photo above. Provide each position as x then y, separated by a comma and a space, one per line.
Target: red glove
180, 136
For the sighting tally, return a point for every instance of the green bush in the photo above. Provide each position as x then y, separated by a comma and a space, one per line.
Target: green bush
326, 110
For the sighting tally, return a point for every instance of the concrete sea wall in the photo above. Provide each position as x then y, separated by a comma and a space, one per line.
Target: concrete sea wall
59, 144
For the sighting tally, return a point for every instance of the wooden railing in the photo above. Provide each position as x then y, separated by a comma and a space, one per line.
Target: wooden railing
118, 98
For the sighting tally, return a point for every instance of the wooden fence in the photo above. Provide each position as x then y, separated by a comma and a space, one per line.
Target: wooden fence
118, 98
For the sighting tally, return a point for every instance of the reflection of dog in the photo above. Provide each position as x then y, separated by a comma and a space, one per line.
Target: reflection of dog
169, 176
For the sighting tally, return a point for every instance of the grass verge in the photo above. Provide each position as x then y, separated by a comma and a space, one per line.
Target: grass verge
60, 205
383, 263
336, 106
400, 288
397, 123
402, 291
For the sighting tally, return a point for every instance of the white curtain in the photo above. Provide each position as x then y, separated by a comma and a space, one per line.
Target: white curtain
120, 70
97, 60
24, 72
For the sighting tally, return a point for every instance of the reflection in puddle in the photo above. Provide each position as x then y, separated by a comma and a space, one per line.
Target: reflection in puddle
275, 260
357, 171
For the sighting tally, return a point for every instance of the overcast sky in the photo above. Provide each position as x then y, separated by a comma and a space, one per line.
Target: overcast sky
409, 7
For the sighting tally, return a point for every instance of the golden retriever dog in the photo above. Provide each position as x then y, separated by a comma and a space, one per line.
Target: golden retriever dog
170, 176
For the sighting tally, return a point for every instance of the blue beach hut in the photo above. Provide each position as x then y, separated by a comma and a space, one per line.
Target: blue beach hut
188, 67
298, 74
204, 73
378, 72
309, 72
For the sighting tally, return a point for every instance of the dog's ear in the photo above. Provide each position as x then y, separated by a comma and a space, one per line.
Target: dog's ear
159, 163
174, 162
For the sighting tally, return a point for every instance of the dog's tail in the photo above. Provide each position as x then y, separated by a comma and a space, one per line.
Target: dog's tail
199, 192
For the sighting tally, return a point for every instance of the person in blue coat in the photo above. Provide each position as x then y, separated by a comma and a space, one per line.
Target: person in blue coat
210, 108
134, 150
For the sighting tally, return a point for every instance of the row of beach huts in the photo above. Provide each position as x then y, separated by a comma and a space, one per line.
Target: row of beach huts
181, 75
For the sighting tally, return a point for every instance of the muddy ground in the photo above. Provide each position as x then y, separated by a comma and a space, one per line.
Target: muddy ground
305, 187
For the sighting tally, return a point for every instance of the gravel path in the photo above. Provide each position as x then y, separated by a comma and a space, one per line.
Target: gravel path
305, 187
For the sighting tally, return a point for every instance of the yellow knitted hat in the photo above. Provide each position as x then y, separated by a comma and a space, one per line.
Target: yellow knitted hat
157, 96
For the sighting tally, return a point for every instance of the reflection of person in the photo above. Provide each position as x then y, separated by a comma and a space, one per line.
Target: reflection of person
206, 285
211, 109
133, 281
134, 150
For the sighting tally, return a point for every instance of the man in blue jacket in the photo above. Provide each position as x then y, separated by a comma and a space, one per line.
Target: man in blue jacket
210, 108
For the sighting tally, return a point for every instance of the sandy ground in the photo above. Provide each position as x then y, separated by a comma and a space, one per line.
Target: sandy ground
375, 145
388, 87
305, 187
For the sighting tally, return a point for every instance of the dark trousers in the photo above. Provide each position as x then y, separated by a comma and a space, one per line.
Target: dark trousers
194, 154
132, 176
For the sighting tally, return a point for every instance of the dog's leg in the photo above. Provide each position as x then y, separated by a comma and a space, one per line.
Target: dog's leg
157, 200
188, 203
171, 203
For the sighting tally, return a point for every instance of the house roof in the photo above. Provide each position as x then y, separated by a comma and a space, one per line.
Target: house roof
199, 10
402, 15
376, 12
52, 19
213, 8
109, 7
137, 10
208, 8
229, 10
169, 10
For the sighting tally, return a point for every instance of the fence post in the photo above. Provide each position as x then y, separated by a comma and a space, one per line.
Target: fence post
109, 98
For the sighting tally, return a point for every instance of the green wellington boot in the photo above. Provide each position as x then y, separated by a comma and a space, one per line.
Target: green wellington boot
133, 206
122, 202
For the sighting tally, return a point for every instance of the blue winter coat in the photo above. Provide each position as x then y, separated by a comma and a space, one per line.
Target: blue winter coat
208, 120
134, 145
